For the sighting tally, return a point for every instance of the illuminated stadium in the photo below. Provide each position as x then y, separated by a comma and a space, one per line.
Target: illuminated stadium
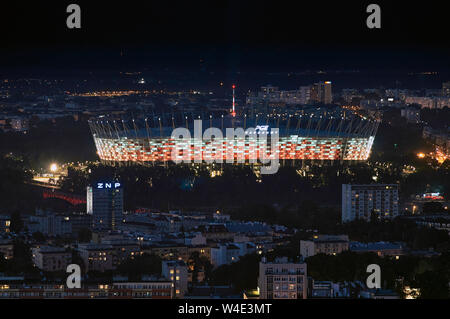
319, 135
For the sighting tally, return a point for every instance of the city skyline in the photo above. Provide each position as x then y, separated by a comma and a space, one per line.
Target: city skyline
234, 157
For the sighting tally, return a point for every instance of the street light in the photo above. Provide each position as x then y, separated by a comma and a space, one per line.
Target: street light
53, 167
421, 155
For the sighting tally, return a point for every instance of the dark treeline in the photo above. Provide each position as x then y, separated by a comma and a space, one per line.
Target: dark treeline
61, 140
15, 194
67, 140
189, 187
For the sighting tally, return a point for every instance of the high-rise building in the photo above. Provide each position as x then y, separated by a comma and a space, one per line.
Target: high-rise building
321, 92
105, 203
305, 94
446, 89
282, 279
360, 201
327, 97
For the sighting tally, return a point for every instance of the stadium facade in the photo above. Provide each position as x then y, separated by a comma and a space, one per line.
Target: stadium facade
328, 136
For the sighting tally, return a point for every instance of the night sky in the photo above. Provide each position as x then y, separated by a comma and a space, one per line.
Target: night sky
232, 35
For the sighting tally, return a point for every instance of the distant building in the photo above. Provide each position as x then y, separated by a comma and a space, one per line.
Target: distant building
195, 239
80, 222
437, 102
379, 294
167, 251
105, 204
324, 289
411, 114
324, 244
350, 95
446, 89
5, 223
123, 249
216, 232
51, 258
97, 257
382, 249
272, 94
49, 224
321, 92
177, 272
19, 124
224, 254
282, 279
359, 201
440, 222
153, 289
6, 249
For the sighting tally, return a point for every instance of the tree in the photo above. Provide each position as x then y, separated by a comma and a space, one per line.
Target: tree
200, 263
39, 237
431, 208
22, 262
16, 222
135, 267
241, 274
84, 235
433, 285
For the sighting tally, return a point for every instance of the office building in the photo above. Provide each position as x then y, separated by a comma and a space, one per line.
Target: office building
105, 204
360, 201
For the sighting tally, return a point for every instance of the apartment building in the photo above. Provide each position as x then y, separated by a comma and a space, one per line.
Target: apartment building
324, 244
49, 258
359, 201
282, 279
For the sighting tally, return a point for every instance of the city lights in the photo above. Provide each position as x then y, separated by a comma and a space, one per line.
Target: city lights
232, 156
